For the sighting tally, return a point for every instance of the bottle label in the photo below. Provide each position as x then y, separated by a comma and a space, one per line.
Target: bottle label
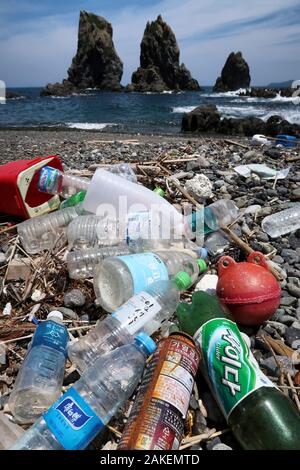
137, 311
157, 418
72, 421
145, 268
51, 334
137, 227
230, 365
48, 179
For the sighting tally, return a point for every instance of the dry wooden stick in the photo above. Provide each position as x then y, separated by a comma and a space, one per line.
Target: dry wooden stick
185, 193
232, 142
247, 248
9, 229
294, 392
293, 159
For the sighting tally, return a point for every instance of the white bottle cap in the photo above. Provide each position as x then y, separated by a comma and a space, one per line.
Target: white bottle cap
55, 314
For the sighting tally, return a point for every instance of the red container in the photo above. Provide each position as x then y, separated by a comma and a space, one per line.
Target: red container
248, 289
18, 188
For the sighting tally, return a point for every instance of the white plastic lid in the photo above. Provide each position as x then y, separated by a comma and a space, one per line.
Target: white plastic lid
55, 314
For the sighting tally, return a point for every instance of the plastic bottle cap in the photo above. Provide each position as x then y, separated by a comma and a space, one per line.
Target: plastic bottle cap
202, 265
144, 340
159, 191
183, 280
202, 253
55, 314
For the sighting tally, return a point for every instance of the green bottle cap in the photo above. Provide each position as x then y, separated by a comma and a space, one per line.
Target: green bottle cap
158, 190
73, 200
183, 280
202, 265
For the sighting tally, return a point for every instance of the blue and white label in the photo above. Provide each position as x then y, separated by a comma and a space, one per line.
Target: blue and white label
137, 311
145, 268
51, 334
72, 421
48, 179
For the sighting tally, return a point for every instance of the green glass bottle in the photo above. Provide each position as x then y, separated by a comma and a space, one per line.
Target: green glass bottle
260, 416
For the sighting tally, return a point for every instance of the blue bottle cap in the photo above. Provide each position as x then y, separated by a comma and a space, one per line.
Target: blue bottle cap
147, 344
202, 253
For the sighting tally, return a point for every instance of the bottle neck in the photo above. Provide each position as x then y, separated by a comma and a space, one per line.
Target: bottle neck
204, 307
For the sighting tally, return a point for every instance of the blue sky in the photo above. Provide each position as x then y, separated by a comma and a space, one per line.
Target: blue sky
39, 39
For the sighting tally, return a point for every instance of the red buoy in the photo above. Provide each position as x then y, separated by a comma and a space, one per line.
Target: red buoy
248, 289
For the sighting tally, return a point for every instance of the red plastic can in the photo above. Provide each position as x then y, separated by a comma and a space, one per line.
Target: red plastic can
248, 289
19, 194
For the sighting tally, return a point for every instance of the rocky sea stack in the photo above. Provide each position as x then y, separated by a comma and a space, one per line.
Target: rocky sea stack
235, 74
159, 62
96, 63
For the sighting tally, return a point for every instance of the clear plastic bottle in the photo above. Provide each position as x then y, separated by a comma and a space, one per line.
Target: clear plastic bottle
41, 233
54, 181
89, 231
118, 279
9, 432
39, 381
146, 311
83, 264
80, 414
282, 222
124, 170
211, 218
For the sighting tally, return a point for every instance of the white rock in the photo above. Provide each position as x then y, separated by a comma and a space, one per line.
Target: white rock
200, 186
208, 284
38, 295
7, 309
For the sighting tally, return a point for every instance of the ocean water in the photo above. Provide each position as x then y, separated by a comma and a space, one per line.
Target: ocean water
134, 112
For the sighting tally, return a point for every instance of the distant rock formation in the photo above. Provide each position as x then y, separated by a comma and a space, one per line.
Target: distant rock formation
207, 119
268, 92
235, 74
96, 63
159, 62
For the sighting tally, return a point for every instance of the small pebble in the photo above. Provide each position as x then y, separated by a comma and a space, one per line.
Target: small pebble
74, 299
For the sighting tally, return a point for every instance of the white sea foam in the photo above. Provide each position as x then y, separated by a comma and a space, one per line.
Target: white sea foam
183, 109
291, 115
89, 125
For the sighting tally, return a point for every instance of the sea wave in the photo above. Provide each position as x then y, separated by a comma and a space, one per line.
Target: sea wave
89, 125
286, 99
183, 109
236, 112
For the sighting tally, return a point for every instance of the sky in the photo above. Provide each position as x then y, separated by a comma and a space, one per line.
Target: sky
39, 39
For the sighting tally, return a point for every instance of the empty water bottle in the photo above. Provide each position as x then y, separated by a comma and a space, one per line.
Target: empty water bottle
118, 279
211, 218
54, 181
41, 233
83, 264
9, 432
146, 311
124, 170
39, 381
282, 222
80, 414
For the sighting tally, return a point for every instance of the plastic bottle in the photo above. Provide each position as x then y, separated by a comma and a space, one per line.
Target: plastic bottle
80, 414
83, 264
73, 200
54, 181
41, 233
146, 311
39, 381
124, 170
118, 279
156, 421
9, 432
282, 222
260, 416
211, 218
